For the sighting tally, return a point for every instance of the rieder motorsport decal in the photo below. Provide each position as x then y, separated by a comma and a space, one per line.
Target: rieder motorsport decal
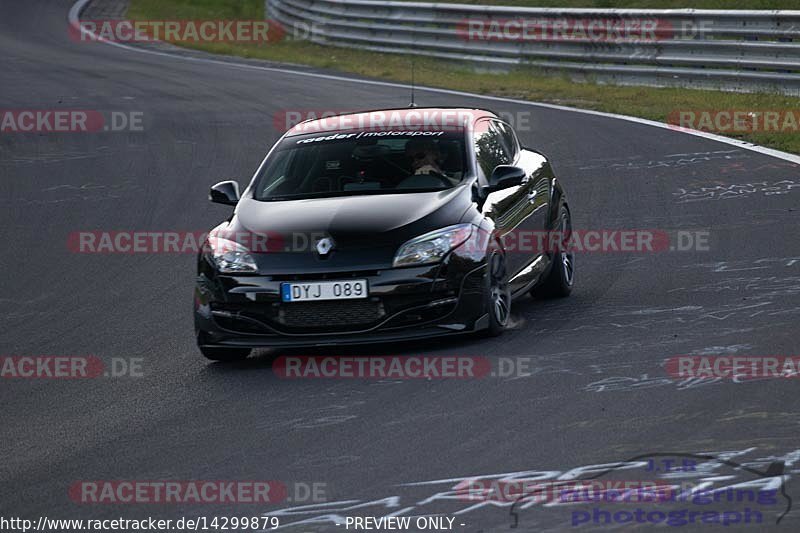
365, 134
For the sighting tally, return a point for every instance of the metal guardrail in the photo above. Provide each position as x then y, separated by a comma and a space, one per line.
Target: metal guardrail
744, 51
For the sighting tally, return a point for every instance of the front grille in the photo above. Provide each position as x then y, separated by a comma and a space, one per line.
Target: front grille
316, 315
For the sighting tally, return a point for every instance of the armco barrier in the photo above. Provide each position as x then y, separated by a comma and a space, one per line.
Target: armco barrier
745, 51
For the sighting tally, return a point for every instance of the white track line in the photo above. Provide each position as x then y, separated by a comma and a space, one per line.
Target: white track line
74, 19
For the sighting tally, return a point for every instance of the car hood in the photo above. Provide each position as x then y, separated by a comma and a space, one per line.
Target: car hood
366, 230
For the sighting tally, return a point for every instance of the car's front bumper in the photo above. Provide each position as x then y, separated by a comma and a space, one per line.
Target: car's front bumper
403, 304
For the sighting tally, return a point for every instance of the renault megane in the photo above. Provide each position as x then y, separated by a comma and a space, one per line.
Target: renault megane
380, 226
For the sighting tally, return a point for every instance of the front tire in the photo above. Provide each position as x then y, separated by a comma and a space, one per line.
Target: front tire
497, 295
561, 278
225, 354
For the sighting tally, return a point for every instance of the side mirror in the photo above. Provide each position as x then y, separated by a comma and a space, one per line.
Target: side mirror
224, 192
505, 176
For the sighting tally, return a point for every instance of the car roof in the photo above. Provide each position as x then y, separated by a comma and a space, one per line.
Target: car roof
433, 118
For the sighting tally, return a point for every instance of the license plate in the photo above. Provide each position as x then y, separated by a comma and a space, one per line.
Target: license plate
324, 290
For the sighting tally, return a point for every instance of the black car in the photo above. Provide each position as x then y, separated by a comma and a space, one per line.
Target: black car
359, 230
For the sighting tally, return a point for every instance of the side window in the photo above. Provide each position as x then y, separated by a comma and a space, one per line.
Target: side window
509, 139
274, 173
490, 149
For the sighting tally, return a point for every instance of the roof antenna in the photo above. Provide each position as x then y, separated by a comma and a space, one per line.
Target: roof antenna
412, 104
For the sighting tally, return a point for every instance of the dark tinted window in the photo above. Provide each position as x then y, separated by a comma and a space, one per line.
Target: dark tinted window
368, 162
508, 138
490, 148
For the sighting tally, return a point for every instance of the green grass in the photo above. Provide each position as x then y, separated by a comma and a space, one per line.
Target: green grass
523, 83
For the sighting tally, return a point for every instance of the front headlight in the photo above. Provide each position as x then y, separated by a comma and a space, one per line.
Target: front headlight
433, 246
230, 257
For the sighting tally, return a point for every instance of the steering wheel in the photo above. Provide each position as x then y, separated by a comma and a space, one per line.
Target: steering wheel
344, 180
442, 177
438, 175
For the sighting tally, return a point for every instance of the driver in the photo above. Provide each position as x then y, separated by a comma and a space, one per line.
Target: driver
425, 156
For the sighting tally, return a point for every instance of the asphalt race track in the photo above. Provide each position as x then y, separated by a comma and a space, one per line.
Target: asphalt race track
596, 391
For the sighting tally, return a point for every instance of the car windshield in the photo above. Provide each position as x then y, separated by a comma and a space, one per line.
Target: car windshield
365, 162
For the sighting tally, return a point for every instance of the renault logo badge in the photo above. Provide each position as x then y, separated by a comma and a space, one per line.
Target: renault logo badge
324, 246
